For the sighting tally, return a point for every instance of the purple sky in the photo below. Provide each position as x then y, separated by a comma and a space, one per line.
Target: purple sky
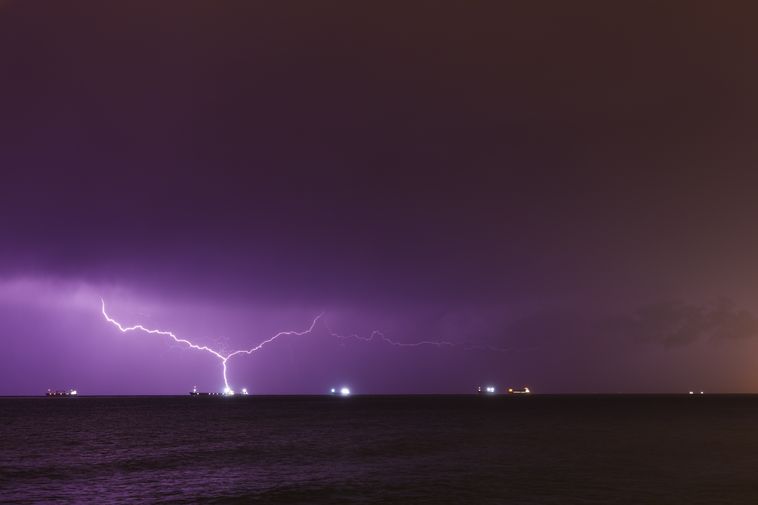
566, 194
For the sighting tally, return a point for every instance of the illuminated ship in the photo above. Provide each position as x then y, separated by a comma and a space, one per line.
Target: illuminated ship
70, 392
227, 392
486, 390
343, 391
523, 391
195, 392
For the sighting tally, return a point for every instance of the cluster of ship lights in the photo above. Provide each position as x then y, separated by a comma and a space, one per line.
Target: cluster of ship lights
490, 390
343, 391
231, 392
225, 392
70, 392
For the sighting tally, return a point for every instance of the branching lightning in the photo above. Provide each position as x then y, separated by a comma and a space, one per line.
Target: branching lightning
224, 358
381, 336
217, 354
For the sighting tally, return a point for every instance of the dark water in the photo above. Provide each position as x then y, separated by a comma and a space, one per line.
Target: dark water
411, 449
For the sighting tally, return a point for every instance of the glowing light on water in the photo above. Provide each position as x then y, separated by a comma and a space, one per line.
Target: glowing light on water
345, 391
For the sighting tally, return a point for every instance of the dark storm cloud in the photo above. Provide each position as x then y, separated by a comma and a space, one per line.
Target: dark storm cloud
348, 151
675, 323
670, 324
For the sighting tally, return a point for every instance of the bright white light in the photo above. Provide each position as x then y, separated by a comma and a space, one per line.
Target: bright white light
345, 391
244, 391
526, 390
490, 389
228, 392
194, 389
72, 392
334, 390
692, 392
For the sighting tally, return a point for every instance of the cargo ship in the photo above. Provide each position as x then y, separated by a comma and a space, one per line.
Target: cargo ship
523, 391
195, 392
70, 392
227, 392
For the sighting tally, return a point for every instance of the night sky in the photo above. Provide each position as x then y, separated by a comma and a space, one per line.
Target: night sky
567, 192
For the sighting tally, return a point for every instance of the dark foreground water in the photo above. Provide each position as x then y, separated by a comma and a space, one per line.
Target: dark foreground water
381, 449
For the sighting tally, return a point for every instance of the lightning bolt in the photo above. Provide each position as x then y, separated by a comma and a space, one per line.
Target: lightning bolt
224, 358
381, 336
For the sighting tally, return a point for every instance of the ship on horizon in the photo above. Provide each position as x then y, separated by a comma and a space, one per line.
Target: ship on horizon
227, 392
490, 390
523, 391
70, 392
195, 392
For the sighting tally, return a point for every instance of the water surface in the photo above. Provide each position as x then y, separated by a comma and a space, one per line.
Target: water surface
381, 449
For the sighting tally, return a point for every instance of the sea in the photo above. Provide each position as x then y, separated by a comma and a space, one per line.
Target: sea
500, 449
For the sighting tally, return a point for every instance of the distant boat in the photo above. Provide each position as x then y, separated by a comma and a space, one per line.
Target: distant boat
195, 392
343, 391
70, 392
523, 391
227, 392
